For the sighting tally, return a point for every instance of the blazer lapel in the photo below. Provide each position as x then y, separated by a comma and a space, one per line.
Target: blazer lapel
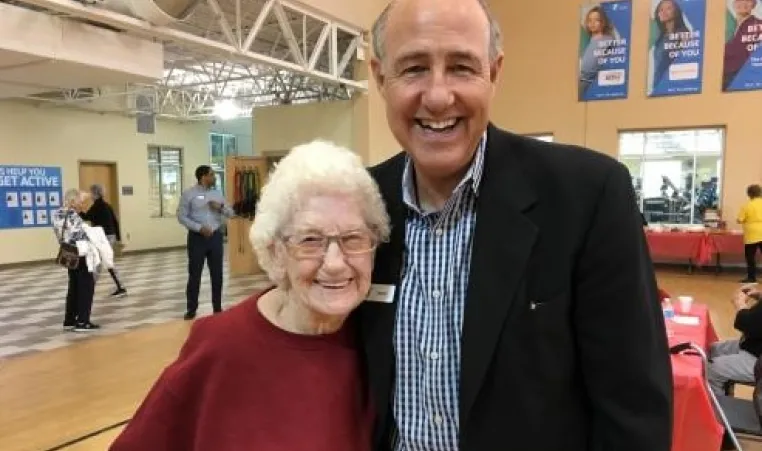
378, 319
502, 245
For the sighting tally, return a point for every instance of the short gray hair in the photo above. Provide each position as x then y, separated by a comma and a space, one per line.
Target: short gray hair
311, 169
379, 28
97, 191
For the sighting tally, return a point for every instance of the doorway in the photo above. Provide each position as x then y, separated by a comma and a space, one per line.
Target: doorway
104, 174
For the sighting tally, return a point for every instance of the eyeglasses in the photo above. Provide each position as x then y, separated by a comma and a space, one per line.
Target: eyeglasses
315, 245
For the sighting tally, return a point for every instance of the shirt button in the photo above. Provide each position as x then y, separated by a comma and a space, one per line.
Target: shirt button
434, 355
436, 294
438, 232
437, 420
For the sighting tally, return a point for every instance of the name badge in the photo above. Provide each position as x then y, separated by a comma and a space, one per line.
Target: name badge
200, 196
381, 293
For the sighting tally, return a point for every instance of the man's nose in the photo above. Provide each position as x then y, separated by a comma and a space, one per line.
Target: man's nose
438, 95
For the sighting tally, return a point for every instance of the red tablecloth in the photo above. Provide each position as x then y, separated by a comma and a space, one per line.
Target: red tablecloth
728, 243
676, 245
698, 247
696, 427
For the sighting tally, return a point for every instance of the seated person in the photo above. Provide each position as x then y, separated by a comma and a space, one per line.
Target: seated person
734, 360
281, 370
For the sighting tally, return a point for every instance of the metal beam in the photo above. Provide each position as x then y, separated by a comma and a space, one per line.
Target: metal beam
238, 25
333, 60
203, 45
223, 21
258, 23
324, 34
307, 10
348, 53
288, 33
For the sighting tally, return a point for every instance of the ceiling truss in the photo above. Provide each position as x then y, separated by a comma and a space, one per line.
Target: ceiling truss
252, 52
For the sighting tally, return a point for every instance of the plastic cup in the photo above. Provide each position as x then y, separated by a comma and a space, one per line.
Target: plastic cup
685, 303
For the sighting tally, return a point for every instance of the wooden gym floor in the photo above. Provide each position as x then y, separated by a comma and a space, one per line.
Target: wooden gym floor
77, 397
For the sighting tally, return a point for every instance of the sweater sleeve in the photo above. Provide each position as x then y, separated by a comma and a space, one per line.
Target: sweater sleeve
167, 418
159, 424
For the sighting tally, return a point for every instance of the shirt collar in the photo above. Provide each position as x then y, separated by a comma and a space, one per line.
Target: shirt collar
472, 177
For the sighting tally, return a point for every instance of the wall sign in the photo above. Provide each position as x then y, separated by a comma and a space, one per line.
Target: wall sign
604, 51
30, 195
676, 53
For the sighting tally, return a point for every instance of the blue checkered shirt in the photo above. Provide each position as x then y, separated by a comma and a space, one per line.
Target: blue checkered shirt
430, 314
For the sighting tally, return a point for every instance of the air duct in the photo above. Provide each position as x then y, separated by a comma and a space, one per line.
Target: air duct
155, 12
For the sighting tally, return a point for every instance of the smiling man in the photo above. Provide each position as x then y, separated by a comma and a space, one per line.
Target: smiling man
525, 312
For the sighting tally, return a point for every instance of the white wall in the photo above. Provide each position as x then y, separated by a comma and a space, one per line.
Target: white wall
241, 128
279, 128
62, 137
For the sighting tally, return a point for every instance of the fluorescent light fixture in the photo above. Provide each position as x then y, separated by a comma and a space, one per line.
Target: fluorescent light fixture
226, 110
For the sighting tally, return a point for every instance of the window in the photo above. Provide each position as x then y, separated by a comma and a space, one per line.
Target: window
165, 185
548, 138
221, 146
676, 173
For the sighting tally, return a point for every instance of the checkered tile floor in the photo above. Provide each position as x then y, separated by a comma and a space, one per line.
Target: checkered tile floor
32, 300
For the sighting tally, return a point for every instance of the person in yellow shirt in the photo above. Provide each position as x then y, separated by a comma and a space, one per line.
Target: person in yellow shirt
750, 217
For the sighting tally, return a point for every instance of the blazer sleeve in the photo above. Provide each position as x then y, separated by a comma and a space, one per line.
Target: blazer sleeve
620, 329
117, 230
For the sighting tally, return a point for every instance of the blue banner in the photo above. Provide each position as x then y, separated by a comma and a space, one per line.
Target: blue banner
604, 51
676, 53
742, 68
30, 196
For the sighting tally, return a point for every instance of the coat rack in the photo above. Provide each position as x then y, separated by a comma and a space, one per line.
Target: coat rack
245, 177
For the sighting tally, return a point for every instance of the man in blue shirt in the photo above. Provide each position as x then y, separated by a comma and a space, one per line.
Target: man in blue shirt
202, 211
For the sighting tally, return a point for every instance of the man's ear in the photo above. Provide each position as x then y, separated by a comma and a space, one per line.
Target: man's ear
376, 69
496, 68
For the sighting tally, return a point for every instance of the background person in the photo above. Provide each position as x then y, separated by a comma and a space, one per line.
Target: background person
202, 211
100, 214
281, 371
734, 360
69, 228
750, 218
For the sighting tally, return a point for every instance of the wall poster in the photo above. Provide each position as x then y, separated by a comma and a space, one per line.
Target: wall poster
30, 196
604, 51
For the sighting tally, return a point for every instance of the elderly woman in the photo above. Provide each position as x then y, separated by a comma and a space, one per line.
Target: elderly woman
69, 228
100, 214
281, 370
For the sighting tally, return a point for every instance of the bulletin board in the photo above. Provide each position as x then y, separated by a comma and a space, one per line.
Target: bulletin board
30, 196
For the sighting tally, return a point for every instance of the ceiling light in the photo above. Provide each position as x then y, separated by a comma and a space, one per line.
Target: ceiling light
226, 110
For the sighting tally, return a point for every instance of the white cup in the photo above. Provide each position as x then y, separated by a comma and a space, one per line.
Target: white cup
685, 303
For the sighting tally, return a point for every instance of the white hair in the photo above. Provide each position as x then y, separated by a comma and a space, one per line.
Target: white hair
315, 168
72, 195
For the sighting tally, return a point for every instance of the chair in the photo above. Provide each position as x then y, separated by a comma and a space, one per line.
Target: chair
738, 416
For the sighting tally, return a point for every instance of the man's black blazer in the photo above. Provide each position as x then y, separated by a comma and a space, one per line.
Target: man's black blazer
563, 341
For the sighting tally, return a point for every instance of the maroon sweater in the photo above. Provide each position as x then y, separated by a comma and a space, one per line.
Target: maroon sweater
242, 384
